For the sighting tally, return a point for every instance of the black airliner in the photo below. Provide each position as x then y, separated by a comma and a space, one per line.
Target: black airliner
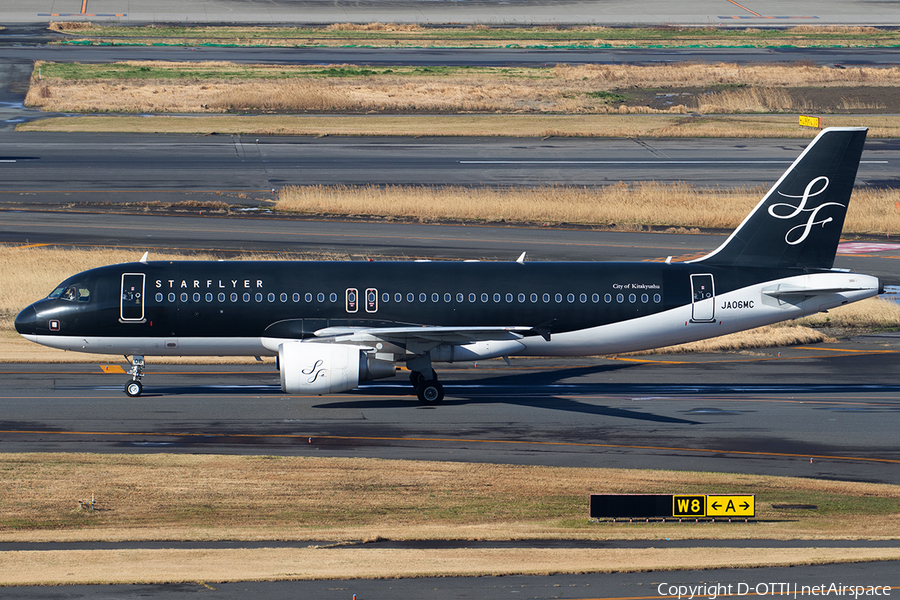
333, 325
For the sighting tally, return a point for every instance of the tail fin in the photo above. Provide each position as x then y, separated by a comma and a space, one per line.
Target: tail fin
798, 223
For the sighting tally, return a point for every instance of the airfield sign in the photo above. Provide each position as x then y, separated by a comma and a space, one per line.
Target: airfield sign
730, 506
679, 506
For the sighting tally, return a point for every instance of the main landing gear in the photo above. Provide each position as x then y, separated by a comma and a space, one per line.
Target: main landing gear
134, 387
429, 391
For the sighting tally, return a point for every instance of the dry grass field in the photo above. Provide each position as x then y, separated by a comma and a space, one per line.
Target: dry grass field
621, 206
541, 126
351, 501
162, 87
479, 36
273, 497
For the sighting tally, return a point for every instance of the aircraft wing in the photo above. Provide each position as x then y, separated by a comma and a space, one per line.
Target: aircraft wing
424, 334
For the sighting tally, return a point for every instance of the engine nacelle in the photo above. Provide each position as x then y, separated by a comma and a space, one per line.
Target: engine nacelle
323, 368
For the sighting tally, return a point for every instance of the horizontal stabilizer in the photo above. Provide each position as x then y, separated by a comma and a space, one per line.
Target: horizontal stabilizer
802, 291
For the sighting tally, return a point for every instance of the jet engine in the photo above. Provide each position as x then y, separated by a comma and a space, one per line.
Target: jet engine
322, 368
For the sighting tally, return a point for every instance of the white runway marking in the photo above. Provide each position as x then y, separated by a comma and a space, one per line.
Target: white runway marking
641, 162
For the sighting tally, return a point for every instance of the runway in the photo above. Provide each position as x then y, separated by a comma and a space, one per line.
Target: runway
365, 239
640, 12
118, 168
821, 411
610, 586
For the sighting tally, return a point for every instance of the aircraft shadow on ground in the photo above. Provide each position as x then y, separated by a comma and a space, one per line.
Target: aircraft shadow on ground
536, 390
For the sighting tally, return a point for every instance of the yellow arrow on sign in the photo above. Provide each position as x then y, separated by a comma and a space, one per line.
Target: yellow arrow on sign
731, 506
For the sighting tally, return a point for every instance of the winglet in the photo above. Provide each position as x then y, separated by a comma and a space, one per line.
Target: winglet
144, 257
521, 259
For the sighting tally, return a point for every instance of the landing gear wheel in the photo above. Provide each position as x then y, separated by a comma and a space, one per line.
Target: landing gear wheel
134, 388
430, 392
416, 379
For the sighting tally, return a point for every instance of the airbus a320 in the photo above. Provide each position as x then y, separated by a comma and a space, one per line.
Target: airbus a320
333, 325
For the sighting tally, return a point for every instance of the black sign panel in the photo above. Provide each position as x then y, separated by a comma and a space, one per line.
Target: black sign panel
624, 506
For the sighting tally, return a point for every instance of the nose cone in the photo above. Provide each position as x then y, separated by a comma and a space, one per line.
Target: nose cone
26, 321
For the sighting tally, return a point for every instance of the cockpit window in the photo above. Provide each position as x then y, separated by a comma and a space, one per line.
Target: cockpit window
75, 292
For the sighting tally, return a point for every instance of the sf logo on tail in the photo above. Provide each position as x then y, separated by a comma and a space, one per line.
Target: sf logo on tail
801, 208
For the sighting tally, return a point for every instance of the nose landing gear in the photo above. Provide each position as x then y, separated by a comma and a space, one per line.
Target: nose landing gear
134, 387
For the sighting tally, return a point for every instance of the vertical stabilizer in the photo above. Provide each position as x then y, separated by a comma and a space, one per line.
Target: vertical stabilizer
799, 221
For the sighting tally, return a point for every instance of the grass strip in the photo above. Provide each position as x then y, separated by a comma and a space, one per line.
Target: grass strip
273, 564
478, 36
744, 126
621, 206
204, 497
696, 88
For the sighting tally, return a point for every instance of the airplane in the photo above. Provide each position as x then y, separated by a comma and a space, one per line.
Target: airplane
334, 325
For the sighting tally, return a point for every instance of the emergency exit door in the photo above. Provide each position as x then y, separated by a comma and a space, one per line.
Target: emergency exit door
703, 299
132, 297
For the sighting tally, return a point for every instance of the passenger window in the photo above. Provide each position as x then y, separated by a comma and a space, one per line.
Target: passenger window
534, 297
645, 298
410, 297
460, 297
423, 297
172, 296
657, 298
247, 296
607, 298
546, 297
484, 297
385, 297
620, 298
308, 297
159, 297
234, 297
632, 298
471, 297
448, 297
259, 296
398, 297
435, 297
283, 297
320, 297
271, 297
209, 297
332, 297
583, 298
295, 298
596, 298
221, 296
521, 297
